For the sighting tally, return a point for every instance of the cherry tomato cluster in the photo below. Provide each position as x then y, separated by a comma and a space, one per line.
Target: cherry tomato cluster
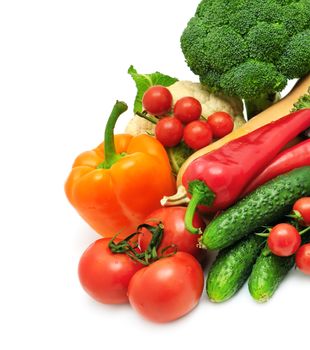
185, 123
285, 240
161, 290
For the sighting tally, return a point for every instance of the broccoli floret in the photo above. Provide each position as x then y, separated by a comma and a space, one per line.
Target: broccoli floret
295, 61
249, 48
240, 79
212, 79
214, 12
296, 16
225, 48
264, 10
196, 58
259, 44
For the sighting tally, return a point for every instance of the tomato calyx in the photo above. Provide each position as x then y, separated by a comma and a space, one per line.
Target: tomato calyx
295, 216
129, 246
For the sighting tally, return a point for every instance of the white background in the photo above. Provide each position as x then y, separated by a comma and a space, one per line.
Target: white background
63, 64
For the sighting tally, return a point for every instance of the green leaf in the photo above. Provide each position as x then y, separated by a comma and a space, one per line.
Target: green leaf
145, 81
302, 103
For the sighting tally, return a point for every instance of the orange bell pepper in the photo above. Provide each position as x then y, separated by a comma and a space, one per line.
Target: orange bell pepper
116, 185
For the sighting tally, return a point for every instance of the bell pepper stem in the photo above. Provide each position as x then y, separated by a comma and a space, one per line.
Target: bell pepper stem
110, 155
201, 194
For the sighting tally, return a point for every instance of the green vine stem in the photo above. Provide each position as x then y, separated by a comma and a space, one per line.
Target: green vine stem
148, 117
129, 247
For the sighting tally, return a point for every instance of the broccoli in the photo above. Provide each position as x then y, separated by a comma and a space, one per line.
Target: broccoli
249, 48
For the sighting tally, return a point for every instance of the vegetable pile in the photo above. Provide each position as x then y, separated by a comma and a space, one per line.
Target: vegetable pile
191, 175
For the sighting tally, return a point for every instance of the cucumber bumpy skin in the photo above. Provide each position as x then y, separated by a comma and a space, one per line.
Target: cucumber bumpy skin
269, 271
267, 274
264, 206
232, 268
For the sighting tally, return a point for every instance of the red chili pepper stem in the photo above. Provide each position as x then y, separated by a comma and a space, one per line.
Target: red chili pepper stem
201, 195
110, 155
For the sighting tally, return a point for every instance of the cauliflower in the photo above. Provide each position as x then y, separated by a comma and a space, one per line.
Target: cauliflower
210, 103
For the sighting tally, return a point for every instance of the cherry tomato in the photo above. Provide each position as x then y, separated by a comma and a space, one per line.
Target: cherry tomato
302, 206
167, 289
169, 131
105, 276
303, 258
284, 240
187, 109
221, 124
197, 134
175, 232
157, 100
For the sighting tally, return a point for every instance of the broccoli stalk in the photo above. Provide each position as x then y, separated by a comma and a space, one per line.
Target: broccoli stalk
249, 48
257, 104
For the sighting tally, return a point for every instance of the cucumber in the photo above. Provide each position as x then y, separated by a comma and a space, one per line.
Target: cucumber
268, 272
232, 268
265, 206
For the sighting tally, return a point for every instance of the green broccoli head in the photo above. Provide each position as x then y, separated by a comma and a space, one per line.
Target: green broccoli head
248, 48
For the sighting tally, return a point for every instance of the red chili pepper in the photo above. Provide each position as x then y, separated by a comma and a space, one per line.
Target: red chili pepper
216, 179
292, 158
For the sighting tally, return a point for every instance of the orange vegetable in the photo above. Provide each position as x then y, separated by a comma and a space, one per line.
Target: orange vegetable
116, 185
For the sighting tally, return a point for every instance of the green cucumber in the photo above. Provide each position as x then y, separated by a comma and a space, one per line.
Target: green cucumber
269, 271
232, 268
265, 206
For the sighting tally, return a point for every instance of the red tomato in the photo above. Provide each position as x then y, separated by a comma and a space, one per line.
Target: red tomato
302, 206
221, 124
167, 289
303, 258
105, 276
175, 232
169, 131
284, 240
157, 100
197, 134
187, 109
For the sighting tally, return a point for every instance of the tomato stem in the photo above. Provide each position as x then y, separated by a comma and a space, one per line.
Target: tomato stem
110, 155
126, 246
157, 232
148, 117
304, 230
